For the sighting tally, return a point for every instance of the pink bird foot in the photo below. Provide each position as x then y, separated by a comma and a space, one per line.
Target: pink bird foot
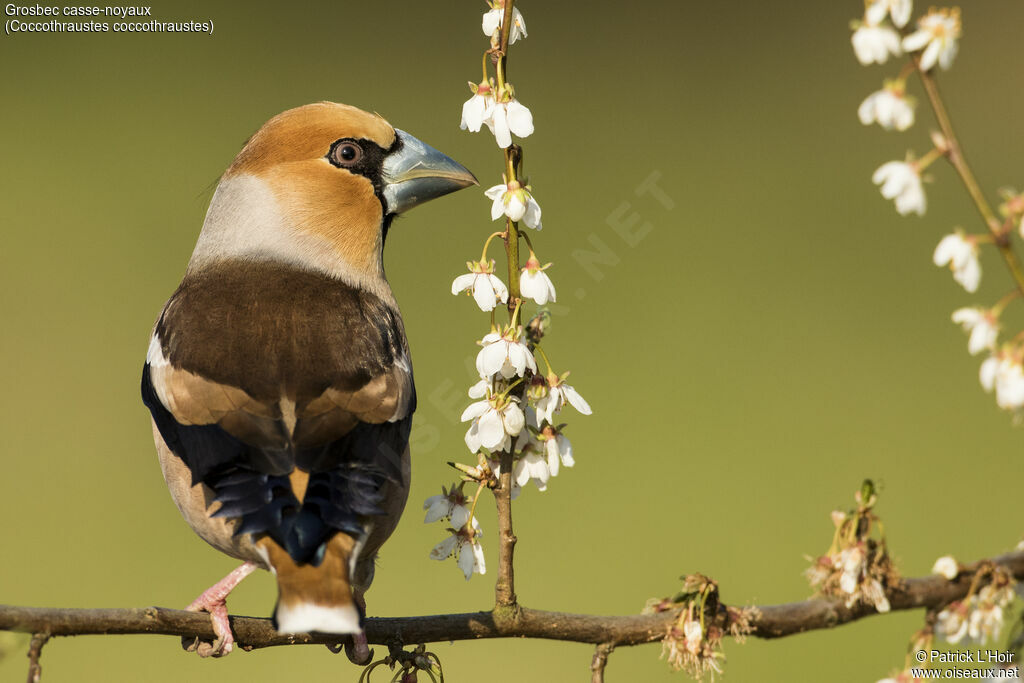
214, 601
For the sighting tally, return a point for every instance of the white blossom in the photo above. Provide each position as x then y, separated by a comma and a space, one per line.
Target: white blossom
898, 10
855, 579
542, 453
478, 108
532, 466
466, 547
947, 567
516, 202
986, 622
874, 594
852, 562
450, 504
493, 18
982, 327
534, 282
988, 371
559, 393
557, 447
506, 118
874, 43
1008, 382
901, 181
952, 622
1003, 374
889, 107
470, 562
937, 33
486, 288
693, 633
961, 255
495, 421
504, 354
480, 389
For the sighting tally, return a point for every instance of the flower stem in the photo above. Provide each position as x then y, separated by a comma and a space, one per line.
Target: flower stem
487, 244
905, 72
544, 356
956, 157
499, 67
928, 159
472, 509
514, 322
504, 394
529, 242
1001, 305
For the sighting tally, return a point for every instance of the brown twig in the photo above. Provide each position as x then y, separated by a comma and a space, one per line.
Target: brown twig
775, 621
599, 662
505, 600
35, 651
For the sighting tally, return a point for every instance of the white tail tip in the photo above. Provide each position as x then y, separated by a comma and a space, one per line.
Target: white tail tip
305, 617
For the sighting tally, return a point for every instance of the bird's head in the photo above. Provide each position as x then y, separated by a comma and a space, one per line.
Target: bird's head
318, 186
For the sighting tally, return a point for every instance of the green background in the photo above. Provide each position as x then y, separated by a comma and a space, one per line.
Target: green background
776, 336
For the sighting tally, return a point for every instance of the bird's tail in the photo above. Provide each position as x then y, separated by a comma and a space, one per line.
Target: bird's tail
315, 598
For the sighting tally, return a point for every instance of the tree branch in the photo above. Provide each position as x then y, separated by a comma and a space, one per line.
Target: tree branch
774, 621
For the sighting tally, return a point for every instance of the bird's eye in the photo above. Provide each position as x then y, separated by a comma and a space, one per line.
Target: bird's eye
345, 153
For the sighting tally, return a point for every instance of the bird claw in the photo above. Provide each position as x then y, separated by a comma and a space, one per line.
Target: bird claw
205, 648
223, 644
189, 644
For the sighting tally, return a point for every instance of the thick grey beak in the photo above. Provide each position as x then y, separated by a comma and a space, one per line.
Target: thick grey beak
417, 173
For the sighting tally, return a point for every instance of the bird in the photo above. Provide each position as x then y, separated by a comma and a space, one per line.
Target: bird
278, 376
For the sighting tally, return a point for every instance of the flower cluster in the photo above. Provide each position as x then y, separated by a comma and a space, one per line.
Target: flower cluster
857, 567
493, 103
688, 648
693, 641
875, 39
884, 32
464, 531
978, 618
1002, 371
516, 409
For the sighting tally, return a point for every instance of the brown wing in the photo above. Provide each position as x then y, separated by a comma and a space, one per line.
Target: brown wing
258, 369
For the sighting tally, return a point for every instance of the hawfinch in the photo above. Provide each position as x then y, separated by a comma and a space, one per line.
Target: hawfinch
278, 374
